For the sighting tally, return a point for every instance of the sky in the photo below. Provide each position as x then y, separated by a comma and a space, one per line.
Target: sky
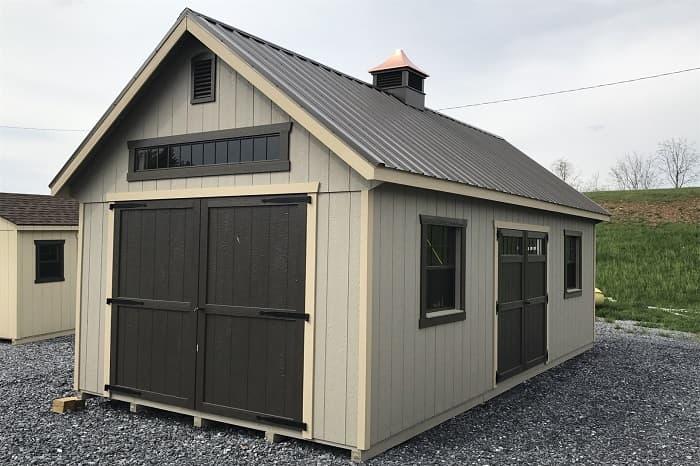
63, 62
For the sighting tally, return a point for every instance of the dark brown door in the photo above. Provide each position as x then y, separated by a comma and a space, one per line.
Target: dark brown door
522, 301
154, 293
251, 316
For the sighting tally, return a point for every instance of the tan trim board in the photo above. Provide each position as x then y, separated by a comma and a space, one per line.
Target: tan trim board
425, 182
47, 227
78, 288
288, 105
310, 326
364, 328
109, 261
227, 191
43, 336
123, 100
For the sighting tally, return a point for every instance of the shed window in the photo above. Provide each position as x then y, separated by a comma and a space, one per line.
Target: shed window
49, 261
572, 263
442, 270
243, 150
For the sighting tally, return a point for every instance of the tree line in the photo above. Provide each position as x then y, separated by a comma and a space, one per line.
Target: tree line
676, 161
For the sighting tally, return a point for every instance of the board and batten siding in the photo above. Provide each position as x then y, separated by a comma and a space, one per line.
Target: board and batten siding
164, 109
45, 308
417, 374
8, 280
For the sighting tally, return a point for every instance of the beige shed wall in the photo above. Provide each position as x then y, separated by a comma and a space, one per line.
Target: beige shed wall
164, 109
8, 280
417, 374
45, 308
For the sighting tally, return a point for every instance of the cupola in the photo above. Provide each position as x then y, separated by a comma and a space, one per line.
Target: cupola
400, 77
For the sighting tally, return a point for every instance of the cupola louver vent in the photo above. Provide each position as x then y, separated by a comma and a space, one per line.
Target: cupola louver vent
392, 79
203, 78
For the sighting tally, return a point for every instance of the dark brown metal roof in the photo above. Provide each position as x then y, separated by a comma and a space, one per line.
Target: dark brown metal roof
390, 133
36, 209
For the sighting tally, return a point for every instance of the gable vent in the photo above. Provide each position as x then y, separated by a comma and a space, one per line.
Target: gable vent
392, 79
203, 78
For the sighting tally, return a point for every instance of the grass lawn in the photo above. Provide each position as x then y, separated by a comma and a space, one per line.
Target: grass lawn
642, 263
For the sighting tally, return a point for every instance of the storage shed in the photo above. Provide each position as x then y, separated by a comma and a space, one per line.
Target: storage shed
38, 249
269, 242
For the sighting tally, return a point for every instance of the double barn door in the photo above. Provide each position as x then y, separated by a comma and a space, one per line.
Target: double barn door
522, 301
208, 305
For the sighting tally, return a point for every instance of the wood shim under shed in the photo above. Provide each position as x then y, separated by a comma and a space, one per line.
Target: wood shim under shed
68, 404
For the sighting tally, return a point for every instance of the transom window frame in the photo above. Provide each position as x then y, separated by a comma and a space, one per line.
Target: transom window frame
577, 291
458, 312
260, 166
38, 276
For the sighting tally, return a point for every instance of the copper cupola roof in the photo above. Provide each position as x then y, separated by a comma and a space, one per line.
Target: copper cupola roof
396, 61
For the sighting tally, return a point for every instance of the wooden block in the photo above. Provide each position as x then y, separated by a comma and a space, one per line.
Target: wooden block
68, 404
271, 437
199, 422
134, 408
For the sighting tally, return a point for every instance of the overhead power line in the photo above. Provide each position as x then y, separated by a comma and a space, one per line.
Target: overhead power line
564, 91
489, 102
29, 128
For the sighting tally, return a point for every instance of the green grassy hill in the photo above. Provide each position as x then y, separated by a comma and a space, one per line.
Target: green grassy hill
649, 256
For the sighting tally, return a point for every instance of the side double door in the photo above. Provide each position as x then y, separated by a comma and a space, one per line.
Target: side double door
522, 301
208, 305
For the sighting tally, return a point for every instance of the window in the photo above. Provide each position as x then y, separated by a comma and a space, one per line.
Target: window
572, 263
203, 78
254, 149
49, 261
442, 270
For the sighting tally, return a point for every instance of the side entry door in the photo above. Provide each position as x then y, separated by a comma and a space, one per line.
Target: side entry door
154, 295
522, 301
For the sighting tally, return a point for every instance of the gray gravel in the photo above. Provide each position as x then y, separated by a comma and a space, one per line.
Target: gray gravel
633, 399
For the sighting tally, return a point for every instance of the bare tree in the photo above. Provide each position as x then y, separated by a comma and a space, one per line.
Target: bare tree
634, 171
593, 183
679, 161
564, 169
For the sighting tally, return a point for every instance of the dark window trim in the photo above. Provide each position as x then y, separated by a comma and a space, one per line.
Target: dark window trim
262, 166
574, 292
212, 97
460, 313
49, 242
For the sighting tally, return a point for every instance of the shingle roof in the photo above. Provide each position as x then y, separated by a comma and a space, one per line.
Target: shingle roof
36, 209
389, 133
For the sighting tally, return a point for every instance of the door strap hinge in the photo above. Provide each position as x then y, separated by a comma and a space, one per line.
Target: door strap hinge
288, 200
125, 302
546, 298
496, 307
286, 315
117, 388
126, 205
282, 421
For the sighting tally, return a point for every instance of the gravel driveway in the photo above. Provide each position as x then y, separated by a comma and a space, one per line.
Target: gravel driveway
634, 398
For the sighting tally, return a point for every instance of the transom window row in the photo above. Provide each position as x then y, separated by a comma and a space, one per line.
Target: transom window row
221, 151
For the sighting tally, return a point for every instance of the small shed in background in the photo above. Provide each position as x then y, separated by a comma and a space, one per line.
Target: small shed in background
38, 254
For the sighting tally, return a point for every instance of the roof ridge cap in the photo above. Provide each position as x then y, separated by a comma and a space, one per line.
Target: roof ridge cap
280, 48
